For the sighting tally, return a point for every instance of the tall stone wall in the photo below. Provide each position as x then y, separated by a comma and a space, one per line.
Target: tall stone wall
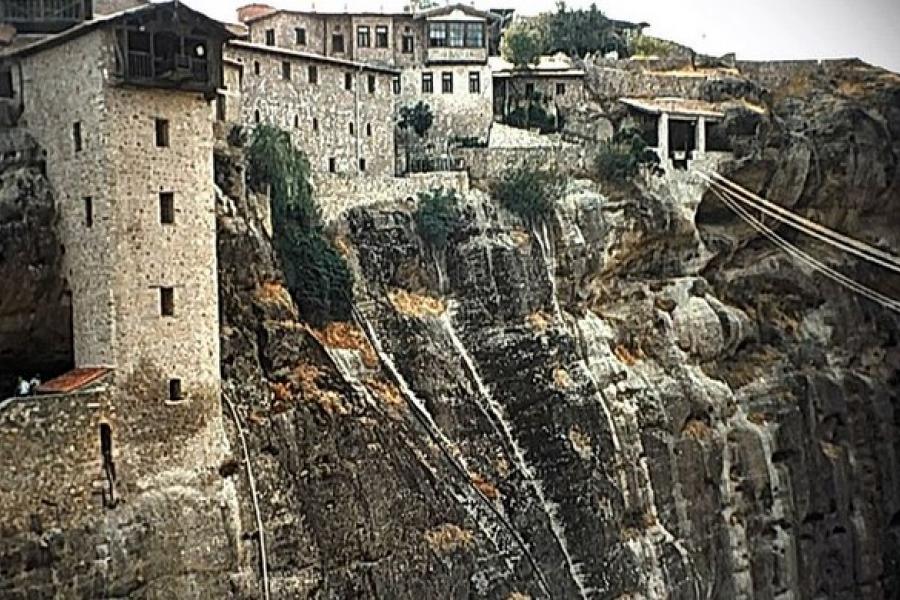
320, 115
336, 194
484, 164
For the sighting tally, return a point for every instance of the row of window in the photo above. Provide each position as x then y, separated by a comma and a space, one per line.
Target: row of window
363, 38
166, 209
257, 118
455, 35
312, 75
446, 83
161, 128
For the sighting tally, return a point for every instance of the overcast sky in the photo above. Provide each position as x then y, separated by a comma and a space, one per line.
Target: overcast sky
754, 29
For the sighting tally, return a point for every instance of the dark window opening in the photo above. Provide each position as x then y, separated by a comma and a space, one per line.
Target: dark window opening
396, 85
109, 466
456, 35
371, 84
362, 164
270, 37
447, 83
408, 44
88, 211
6, 83
427, 83
352, 130
162, 133
175, 394
529, 89
76, 136
475, 83
296, 121
286, 70
315, 124
300, 34
369, 129
256, 116
337, 43
167, 301
332, 165
313, 74
221, 110
348, 81
682, 142
381, 36
560, 89
362, 36
256, 68
167, 208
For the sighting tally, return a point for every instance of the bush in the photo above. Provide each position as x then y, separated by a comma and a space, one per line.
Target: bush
522, 44
529, 193
645, 45
620, 158
532, 116
317, 276
436, 216
419, 118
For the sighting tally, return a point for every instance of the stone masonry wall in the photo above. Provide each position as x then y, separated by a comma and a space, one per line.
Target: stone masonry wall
335, 193
458, 114
320, 115
76, 71
487, 163
572, 96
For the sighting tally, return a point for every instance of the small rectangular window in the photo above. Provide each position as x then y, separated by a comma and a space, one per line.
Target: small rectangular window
76, 136
162, 133
88, 211
300, 34
396, 84
529, 89
167, 301
408, 44
286, 70
315, 124
337, 43
362, 164
256, 68
348, 81
474, 83
175, 390
362, 36
427, 83
352, 129
368, 130
332, 165
313, 74
6, 83
371, 84
381, 36
270, 37
447, 83
560, 89
221, 108
167, 208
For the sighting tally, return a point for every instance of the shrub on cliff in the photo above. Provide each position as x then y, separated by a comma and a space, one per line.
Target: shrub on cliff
316, 274
436, 216
529, 192
620, 159
418, 117
522, 44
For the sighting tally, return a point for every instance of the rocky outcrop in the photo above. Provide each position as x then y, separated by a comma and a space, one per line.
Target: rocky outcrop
35, 334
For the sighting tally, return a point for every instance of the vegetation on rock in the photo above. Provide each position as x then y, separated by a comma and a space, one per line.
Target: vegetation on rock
317, 276
436, 216
620, 159
645, 45
529, 192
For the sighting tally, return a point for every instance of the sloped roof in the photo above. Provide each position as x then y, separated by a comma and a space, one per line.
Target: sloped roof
87, 27
557, 65
675, 106
312, 56
73, 381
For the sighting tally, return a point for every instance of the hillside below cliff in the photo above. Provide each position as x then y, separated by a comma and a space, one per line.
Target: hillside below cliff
641, 398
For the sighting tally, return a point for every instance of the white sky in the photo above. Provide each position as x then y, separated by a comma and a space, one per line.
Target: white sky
754, 29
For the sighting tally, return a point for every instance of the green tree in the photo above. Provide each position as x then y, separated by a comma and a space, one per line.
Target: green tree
316, 275
522, 44
529, 192
419, 118
620, 159
436, 216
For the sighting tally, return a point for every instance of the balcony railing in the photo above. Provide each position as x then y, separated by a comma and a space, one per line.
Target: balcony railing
13, 11
143, 66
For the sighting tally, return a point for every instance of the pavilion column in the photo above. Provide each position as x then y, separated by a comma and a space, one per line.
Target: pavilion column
663, 138
701, 136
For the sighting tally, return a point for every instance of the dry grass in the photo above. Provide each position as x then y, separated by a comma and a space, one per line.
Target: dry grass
449, 537
306, 377
696, 430
518, 596
386, 392
346, 336
760, 419
416, 305
274, 293
629, 356
538, 321
520, 237
484, 486
343, 246
581, 442
561, 378
281, 392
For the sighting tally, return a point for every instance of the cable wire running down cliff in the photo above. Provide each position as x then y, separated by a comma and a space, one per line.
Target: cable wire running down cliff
728, 198
782, 215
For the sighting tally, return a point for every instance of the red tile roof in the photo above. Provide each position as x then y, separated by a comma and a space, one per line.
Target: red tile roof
72, 381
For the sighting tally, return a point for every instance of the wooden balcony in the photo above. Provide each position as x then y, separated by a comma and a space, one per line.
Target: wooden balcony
44, 16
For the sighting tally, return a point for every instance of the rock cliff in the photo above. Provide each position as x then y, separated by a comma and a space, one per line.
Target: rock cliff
641, 398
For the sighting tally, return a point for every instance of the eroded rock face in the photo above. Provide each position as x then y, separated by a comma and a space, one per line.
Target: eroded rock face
35, 333
631, 401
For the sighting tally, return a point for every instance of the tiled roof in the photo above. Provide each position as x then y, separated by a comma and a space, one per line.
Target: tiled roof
73, 381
